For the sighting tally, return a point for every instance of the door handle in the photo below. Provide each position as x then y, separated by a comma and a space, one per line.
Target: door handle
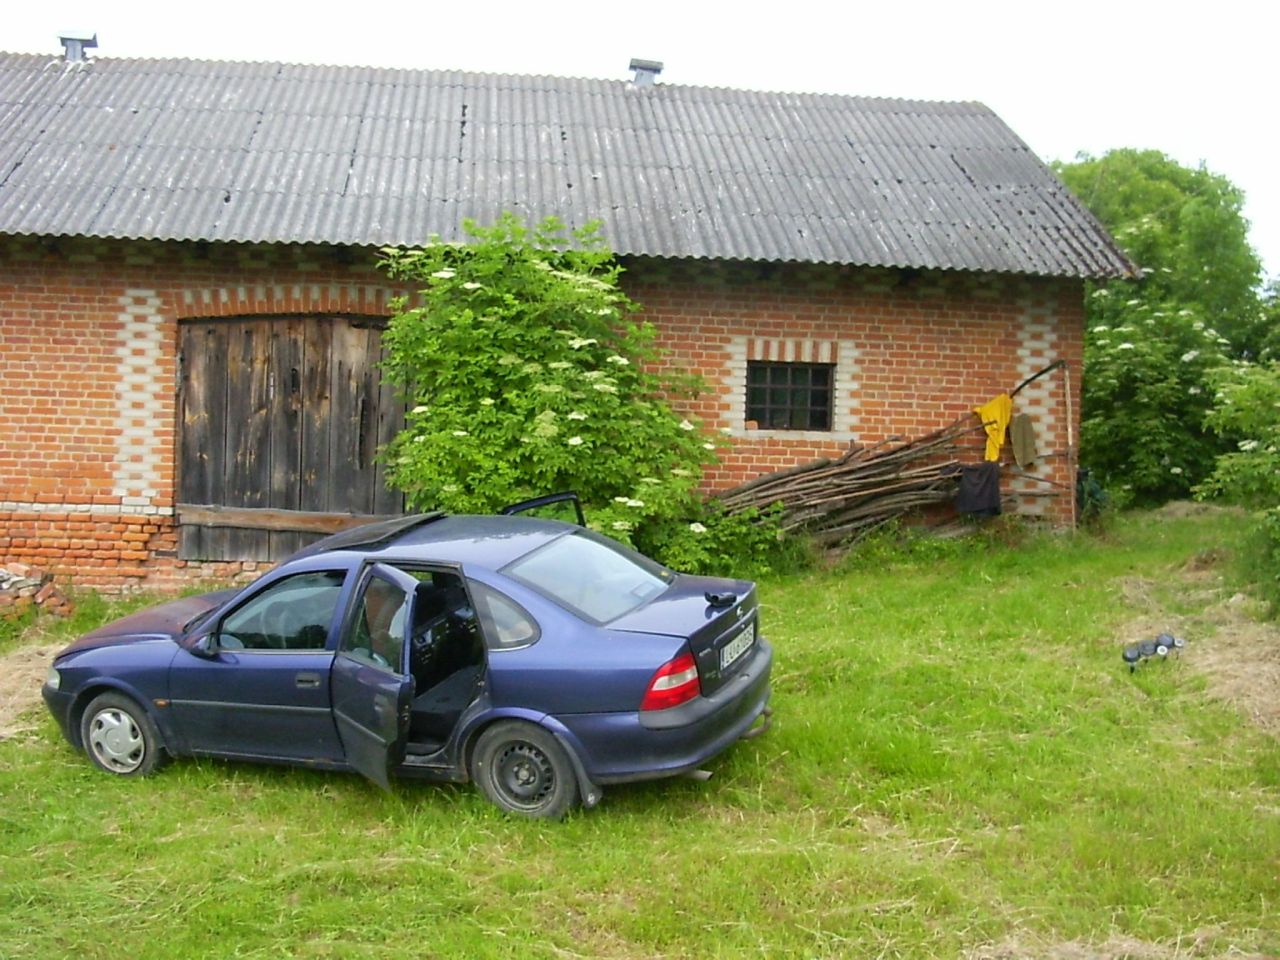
307, 681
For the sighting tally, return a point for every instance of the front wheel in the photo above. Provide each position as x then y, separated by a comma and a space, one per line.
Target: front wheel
119, 736
523, 769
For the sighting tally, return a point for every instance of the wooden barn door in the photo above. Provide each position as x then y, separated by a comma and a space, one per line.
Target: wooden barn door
281, 420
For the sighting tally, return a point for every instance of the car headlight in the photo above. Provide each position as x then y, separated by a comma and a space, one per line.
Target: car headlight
53, 679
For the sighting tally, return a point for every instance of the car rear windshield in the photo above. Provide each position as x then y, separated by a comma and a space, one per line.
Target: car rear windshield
593, 576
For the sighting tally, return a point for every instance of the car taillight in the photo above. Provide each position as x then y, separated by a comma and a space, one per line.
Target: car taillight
676, 682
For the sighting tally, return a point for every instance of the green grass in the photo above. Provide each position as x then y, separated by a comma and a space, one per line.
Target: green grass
960, 759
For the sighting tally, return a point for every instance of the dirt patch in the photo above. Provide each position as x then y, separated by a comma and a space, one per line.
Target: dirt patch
1115, 947
1242, 662
22, 673
1177, 509
1238, 654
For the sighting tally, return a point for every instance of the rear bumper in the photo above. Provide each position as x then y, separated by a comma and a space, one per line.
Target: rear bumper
623, 747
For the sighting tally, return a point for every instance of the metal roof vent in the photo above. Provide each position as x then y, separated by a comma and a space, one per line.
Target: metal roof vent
76, 42
646, 72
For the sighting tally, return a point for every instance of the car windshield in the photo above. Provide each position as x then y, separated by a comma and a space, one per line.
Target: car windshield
592, 576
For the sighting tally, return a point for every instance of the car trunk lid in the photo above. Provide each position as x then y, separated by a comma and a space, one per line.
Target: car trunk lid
720, 633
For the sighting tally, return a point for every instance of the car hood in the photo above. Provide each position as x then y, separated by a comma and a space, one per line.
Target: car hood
163, 622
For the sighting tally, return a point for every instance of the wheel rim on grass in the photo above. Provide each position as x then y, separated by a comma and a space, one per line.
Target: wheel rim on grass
116, 740
524, 774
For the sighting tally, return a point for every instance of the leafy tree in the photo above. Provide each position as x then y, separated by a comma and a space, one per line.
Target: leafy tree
1185, 228
1152, 345
1271, 322
1248, 408
525, 373
1147, 391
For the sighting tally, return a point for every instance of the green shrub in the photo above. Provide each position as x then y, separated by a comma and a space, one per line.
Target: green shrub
525, 373
1248, 406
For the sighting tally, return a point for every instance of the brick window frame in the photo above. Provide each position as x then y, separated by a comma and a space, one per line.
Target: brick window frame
841, 355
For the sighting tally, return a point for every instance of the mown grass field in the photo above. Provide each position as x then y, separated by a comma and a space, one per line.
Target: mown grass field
961, 766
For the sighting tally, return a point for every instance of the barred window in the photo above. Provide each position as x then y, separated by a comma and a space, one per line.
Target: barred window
790, 396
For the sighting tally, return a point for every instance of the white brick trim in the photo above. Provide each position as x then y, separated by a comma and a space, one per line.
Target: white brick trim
1037, 348
97, 509
140, 403
842, 353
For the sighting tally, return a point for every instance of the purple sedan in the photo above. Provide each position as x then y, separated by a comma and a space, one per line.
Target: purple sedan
535, 657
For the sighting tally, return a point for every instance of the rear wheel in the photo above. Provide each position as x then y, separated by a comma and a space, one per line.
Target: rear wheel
523, 769
119, 736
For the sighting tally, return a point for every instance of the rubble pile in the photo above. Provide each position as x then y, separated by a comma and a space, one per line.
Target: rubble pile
23, 587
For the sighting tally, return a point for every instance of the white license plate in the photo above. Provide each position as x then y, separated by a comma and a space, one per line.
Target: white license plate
736, 647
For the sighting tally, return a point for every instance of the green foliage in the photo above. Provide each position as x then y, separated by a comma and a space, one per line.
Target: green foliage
525, 373
895, 545
1152, 346
747, 544
1270, 349
1185, 228
1148, 388
12, 628
1248, 408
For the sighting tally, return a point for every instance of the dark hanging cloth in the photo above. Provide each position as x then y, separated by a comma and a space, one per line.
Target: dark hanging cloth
979, 491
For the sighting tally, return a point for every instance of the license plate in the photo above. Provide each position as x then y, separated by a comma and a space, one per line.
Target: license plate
736, 647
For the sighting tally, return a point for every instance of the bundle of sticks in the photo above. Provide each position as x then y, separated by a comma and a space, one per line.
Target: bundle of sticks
839, 501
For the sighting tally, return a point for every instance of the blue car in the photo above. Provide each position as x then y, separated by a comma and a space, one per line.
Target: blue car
535, 657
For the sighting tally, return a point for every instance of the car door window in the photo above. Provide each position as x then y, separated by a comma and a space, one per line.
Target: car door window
376, 634
292, 614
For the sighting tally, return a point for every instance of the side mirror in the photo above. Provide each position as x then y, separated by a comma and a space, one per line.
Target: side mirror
206, 646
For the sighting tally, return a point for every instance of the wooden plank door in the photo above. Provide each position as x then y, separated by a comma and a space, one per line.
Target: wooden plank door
281, 422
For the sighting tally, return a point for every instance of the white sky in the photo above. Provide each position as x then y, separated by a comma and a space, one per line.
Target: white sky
1195, 80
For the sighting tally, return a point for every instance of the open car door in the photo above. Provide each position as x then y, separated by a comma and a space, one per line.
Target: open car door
371, 685
555, 505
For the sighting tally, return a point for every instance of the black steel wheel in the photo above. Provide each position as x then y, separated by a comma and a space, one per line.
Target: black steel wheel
119, 736
523, 769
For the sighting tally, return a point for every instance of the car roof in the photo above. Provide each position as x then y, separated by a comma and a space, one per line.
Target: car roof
486, 541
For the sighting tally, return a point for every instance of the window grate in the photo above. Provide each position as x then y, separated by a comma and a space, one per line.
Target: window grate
790, 396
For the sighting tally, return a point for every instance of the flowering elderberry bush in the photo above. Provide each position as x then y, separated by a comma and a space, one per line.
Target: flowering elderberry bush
524, 373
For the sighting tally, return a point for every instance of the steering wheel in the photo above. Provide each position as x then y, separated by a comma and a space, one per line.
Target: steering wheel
275, 626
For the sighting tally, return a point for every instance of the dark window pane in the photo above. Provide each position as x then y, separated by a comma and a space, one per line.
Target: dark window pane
790, 396
291, 614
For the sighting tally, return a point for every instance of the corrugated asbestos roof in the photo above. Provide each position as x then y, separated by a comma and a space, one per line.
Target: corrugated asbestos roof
268, 152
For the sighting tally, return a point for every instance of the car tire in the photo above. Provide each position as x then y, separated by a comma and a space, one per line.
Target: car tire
524, 769
119, 736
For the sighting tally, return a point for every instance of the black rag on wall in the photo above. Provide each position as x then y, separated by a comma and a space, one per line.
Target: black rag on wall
979, 491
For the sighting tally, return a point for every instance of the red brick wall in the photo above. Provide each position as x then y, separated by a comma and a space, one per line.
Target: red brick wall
88, 340
88, 334
913, 352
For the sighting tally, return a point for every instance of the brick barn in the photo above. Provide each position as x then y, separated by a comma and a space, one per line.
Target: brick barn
190, 312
